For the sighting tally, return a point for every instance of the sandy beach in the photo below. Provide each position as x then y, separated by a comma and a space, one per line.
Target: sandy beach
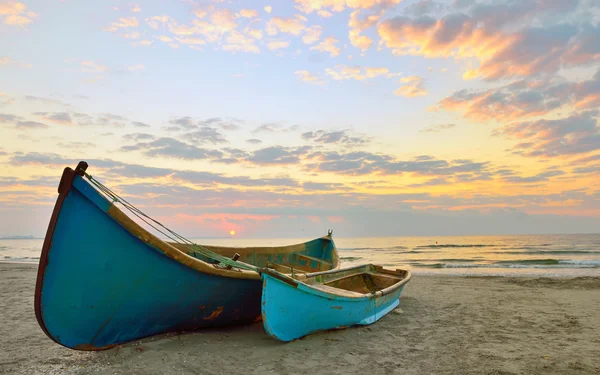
446, 325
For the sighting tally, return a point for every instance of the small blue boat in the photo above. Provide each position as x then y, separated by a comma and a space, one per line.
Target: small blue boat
293, 307
103, 280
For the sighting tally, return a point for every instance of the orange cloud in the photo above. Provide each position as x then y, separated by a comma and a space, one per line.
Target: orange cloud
328, 45
502, 52
15, 13
237, 41
306, 76
524, 98
293, 26
123, 23
343, 72
92, 67
312, 34
309, 6
414, 86
275, 45
248, 13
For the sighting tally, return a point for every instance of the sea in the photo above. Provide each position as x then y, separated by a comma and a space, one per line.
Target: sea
519, 255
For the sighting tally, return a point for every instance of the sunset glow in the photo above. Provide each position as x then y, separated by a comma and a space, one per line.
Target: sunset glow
292, 117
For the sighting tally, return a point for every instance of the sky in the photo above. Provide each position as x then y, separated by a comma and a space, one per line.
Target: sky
288, 118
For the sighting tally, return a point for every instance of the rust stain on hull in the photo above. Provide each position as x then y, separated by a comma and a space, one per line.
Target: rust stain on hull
337, 307
215, 314
93, 347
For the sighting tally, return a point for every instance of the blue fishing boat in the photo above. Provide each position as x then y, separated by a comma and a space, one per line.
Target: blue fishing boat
296, 305
103, 280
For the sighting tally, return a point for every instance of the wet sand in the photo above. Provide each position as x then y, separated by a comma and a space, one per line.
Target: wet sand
445, 325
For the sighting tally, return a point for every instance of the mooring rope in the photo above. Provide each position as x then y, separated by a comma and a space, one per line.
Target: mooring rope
172, 235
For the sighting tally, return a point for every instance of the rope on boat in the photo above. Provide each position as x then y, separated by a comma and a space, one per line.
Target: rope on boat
173, 236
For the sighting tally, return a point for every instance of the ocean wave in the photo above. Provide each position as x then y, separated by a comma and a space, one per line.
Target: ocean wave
555, 252
8, 258
373, 248
440, 246
496, 266
350, 258
529, 261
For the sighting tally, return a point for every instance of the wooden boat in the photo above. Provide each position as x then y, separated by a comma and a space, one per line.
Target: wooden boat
103, 280
293, 307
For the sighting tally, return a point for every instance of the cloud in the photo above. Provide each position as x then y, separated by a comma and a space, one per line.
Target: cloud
138, 124
61, 118
8, 61
205, 126
92, 67
6, 99
576, 134
36, 158
157, 22
274, 128
343, 72
31, 125
172, 148
524, 98
275, 45
414, 86
14, 13
268, 9
357, 163
437, 128
325, 14
42, 100
294, 26
248, 13
540, 177
328, 45
137, 137
20, 123
357, 25
254, 141
123, 23
502, 36
278, 155
309, 6
135, 8
182, 123
254, 33
359, 41
306, 76
237, 41
332, 136
136, 67
205, 134
143, 43
424, 7
8, 118
312, 34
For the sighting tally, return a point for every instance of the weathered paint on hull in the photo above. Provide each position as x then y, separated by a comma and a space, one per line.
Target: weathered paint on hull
290, 312
99, 285
103, 286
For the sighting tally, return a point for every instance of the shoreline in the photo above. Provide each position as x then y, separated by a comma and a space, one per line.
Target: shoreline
444, 325
460, 272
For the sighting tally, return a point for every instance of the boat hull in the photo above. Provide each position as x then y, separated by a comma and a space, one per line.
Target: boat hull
100, 284
293, 310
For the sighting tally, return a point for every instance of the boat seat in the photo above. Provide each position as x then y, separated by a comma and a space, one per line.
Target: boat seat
309, 258
336, 291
